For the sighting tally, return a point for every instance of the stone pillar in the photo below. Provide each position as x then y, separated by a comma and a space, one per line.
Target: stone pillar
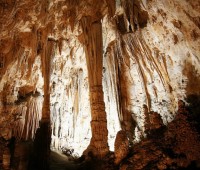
99, 140
43, 135
92, 39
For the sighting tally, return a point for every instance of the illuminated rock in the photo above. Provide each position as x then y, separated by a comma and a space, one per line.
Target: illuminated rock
97, 67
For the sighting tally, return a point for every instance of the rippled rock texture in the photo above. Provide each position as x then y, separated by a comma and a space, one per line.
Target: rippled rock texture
89, 69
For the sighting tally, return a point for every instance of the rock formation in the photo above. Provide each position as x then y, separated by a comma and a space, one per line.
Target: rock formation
121, 146
94, 56
92, 76
172, 147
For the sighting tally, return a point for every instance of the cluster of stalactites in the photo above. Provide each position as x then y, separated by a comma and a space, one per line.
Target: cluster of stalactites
28, 117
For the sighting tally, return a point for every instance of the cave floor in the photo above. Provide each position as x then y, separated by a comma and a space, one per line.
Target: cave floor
59, 161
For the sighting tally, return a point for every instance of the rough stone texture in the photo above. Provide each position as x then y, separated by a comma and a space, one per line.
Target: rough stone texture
172, 147
121, 146
146, 52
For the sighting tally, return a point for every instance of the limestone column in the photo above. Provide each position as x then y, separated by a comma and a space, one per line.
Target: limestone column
92, 39
43, 135
45, 123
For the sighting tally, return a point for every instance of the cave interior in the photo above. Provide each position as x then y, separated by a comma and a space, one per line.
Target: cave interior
100, 85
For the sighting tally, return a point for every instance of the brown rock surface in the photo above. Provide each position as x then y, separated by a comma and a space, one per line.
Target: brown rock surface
92, 66
121, 146
172, 147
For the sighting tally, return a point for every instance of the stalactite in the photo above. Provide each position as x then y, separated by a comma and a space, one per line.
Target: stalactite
76, 109
32, 52
134, 15
111, 7
60, 44
19, 54
20, 123
113, 75
130, 16
80, 89
162, 72
147, 125
112, 92
130, 47
28, 119
119, 54
127, 121
138, 50
134, 48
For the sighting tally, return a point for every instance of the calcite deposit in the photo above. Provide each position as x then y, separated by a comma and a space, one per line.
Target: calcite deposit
115, 81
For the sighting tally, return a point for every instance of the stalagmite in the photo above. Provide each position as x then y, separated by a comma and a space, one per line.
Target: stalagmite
121, 146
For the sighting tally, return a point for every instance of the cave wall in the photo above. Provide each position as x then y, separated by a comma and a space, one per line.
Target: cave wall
148, 58
150, 61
